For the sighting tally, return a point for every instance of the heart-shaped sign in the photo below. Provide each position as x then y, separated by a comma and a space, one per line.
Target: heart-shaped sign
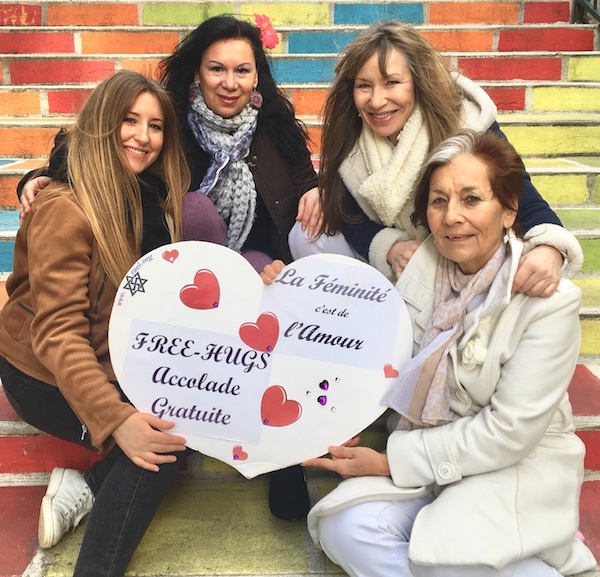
260, 377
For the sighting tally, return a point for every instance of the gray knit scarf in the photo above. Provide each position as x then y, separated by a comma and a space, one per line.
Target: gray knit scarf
228, 181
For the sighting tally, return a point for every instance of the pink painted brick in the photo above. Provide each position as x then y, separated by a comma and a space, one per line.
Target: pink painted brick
20, 15
571, 39
508, 98
60, 71
36, 42
511, 68
67, 101
546, 12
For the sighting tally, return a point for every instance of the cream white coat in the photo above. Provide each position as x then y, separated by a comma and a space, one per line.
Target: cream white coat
508, 470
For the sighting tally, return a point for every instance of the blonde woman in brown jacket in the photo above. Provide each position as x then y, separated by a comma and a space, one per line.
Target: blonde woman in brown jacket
120, 177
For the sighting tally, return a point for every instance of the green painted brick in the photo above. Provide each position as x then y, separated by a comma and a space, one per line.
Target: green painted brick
580, 219
583, 68
596, 193
562, 188
566, 98
591, 254
176, 14
291, 13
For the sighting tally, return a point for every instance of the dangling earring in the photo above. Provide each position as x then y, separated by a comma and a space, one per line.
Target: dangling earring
256, 99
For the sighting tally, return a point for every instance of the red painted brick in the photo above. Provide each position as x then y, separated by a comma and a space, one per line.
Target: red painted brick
60, 71
8, 185
508, 98
546, 12
584, 392
19, 513
36, 42
74, 14
67, 101
20, 15
6, 411
589, 524
511, 68
41, 453
592, 446
571, 39
473, 13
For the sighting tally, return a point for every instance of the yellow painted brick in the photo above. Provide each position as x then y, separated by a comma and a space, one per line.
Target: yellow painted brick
590, 337
597, 190
20, 103
292, 13
566, 98
182, 14
539, 140
583, 69
562, 188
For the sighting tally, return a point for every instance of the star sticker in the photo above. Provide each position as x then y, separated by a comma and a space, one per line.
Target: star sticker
135, 284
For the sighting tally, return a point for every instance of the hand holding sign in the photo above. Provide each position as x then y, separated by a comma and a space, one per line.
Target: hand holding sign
260, 377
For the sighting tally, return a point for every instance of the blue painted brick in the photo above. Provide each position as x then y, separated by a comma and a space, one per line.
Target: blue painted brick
369, 13
303, 71
319, 42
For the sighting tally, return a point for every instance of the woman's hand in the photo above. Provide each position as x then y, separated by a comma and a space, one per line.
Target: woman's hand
309, 212
351, 461
29, 192
539, 272
400, 253
270, 272
142, 439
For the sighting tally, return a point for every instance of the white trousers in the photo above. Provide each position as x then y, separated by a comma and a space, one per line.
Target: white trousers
303, 245
371, 540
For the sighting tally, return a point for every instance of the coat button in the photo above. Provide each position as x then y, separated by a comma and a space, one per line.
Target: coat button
445, 470
463, 397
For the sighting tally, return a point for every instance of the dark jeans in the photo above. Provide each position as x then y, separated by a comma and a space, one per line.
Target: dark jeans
127, 496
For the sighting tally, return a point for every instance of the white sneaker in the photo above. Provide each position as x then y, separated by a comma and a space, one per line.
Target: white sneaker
68, 500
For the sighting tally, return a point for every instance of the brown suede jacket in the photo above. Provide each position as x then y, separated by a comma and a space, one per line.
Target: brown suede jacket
54, 326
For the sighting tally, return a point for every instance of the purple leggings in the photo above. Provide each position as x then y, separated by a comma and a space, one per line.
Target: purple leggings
201, 221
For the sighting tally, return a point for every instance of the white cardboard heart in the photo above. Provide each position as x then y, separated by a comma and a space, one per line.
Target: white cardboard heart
260, 377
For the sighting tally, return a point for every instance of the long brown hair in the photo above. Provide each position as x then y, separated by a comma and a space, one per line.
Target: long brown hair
435, 92
102, 180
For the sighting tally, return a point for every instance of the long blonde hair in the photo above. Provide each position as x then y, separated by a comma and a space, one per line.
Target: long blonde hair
102, 180
435, 92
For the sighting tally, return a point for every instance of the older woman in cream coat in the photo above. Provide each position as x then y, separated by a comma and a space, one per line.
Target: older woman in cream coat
483, 471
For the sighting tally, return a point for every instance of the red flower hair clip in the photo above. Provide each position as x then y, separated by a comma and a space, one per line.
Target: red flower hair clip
268, 35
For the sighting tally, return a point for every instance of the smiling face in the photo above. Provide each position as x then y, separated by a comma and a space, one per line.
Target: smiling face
466, 219
142, 132
227, 76
385, 102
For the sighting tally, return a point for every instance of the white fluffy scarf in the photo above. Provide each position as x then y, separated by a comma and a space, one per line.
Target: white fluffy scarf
381, 177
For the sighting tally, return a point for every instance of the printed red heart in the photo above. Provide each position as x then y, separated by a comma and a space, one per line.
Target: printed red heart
170, 255
239, 454
276, 410
204, 293
261, 335
390, 372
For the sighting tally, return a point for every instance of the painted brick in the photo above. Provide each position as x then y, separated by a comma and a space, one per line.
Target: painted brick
511, 68
369, 13
584, 392
6, 411
20, 15
562, 188
592, 445
8, 185
306, 70
59, 71
179, 14
19, 103
314, 133
554, 140
17, 141
67, 101
460, 40
41, 453
508, 98
566, 98
473, 13
36, 42
128, 42
584, 69
308, 101
291, 13
147, 67
75, 14
570, 39
590, 329
589, 505
319, 42
546, 12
